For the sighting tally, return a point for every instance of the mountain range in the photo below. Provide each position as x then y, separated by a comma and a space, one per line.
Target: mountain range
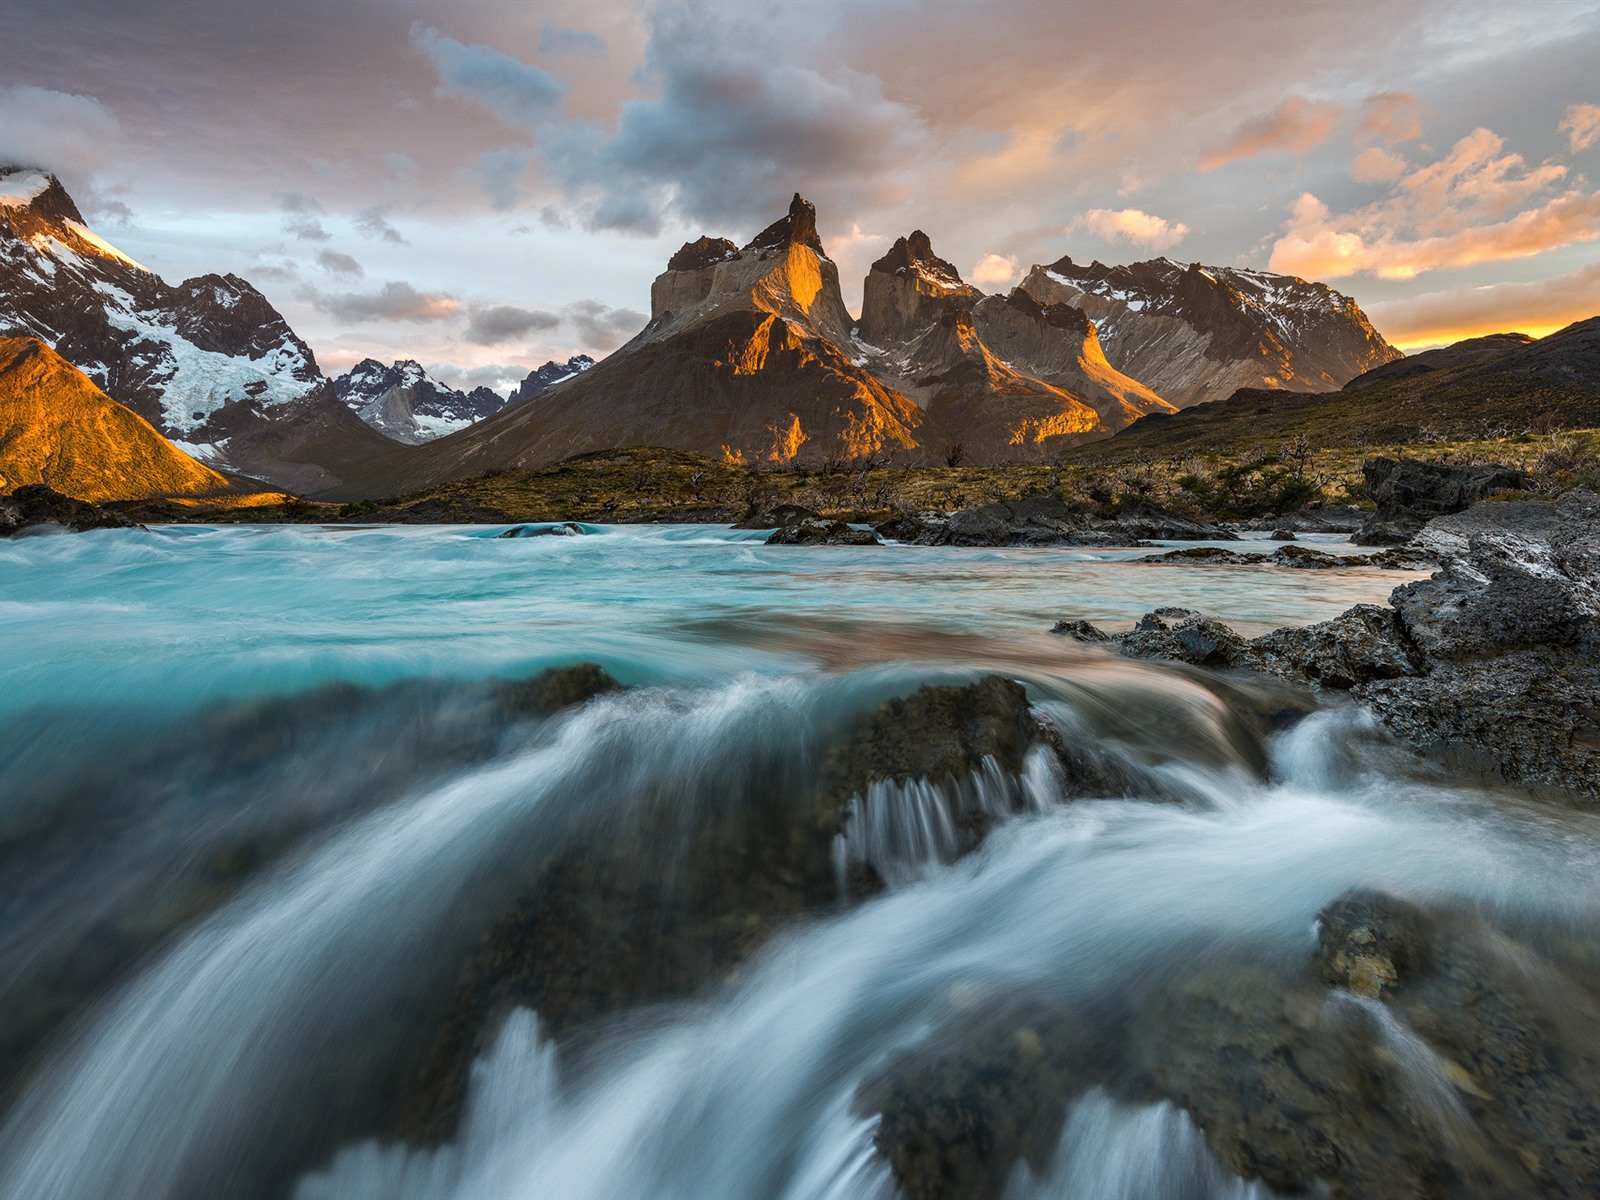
749, 354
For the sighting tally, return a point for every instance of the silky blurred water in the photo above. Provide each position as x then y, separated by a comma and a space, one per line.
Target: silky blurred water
255, 812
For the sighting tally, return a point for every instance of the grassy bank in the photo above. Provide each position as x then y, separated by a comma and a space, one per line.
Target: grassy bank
645, 485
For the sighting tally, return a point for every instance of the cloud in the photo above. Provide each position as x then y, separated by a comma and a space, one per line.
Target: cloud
602, 328
62, 132
573, 42
1131, 225
1538, 307
498, 377
1581, 123
994, 269
403, 167
1299, 124
339, 264
1477, 204
391, 302
301, 217
1377, 165
374, 223
736, 126
500, 173
518, 93
491, 325
1390, 118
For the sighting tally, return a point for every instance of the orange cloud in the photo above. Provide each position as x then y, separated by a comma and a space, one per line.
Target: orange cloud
1132, 225
1535, 308
1581, 123
1389, 117
1299, 124
1477, 204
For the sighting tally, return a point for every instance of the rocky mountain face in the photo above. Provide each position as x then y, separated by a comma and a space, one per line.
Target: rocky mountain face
542, 378
1195, 333
404, 403
1004, 377
57, 428
742, 357
208, 362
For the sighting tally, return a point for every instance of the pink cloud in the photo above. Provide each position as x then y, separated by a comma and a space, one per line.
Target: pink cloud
1476, 204
1299, 124
1581, 123
994, 269
1390, 118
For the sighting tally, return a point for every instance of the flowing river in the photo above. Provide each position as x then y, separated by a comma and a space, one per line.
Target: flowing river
262, 810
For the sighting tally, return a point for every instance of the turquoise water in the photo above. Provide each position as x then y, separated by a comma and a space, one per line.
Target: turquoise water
168, 618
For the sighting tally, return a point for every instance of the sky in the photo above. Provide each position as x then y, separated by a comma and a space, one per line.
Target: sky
483, 186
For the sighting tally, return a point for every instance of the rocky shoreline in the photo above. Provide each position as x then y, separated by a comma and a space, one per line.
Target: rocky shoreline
1490, 668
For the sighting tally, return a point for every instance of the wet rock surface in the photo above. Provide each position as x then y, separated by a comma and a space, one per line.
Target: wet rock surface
1414, 1051
38, 508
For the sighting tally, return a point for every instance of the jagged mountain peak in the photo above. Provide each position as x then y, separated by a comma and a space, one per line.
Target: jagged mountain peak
798, 227
542, 379
1062, 316
914, 255
39, 190
783, 271
401, 401
701, 253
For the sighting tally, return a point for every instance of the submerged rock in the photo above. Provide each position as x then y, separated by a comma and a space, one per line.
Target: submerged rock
565, 529
38, 508
676, 894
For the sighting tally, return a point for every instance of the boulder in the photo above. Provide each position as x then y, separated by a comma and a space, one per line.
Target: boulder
924, 528
821, 531
1410, 492
776, 517
1082, 631
1183, 635
38, 508
1031, 521
1283, 534
675, 896
1143, 521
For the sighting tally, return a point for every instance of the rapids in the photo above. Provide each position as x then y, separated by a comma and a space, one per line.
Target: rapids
257, 808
